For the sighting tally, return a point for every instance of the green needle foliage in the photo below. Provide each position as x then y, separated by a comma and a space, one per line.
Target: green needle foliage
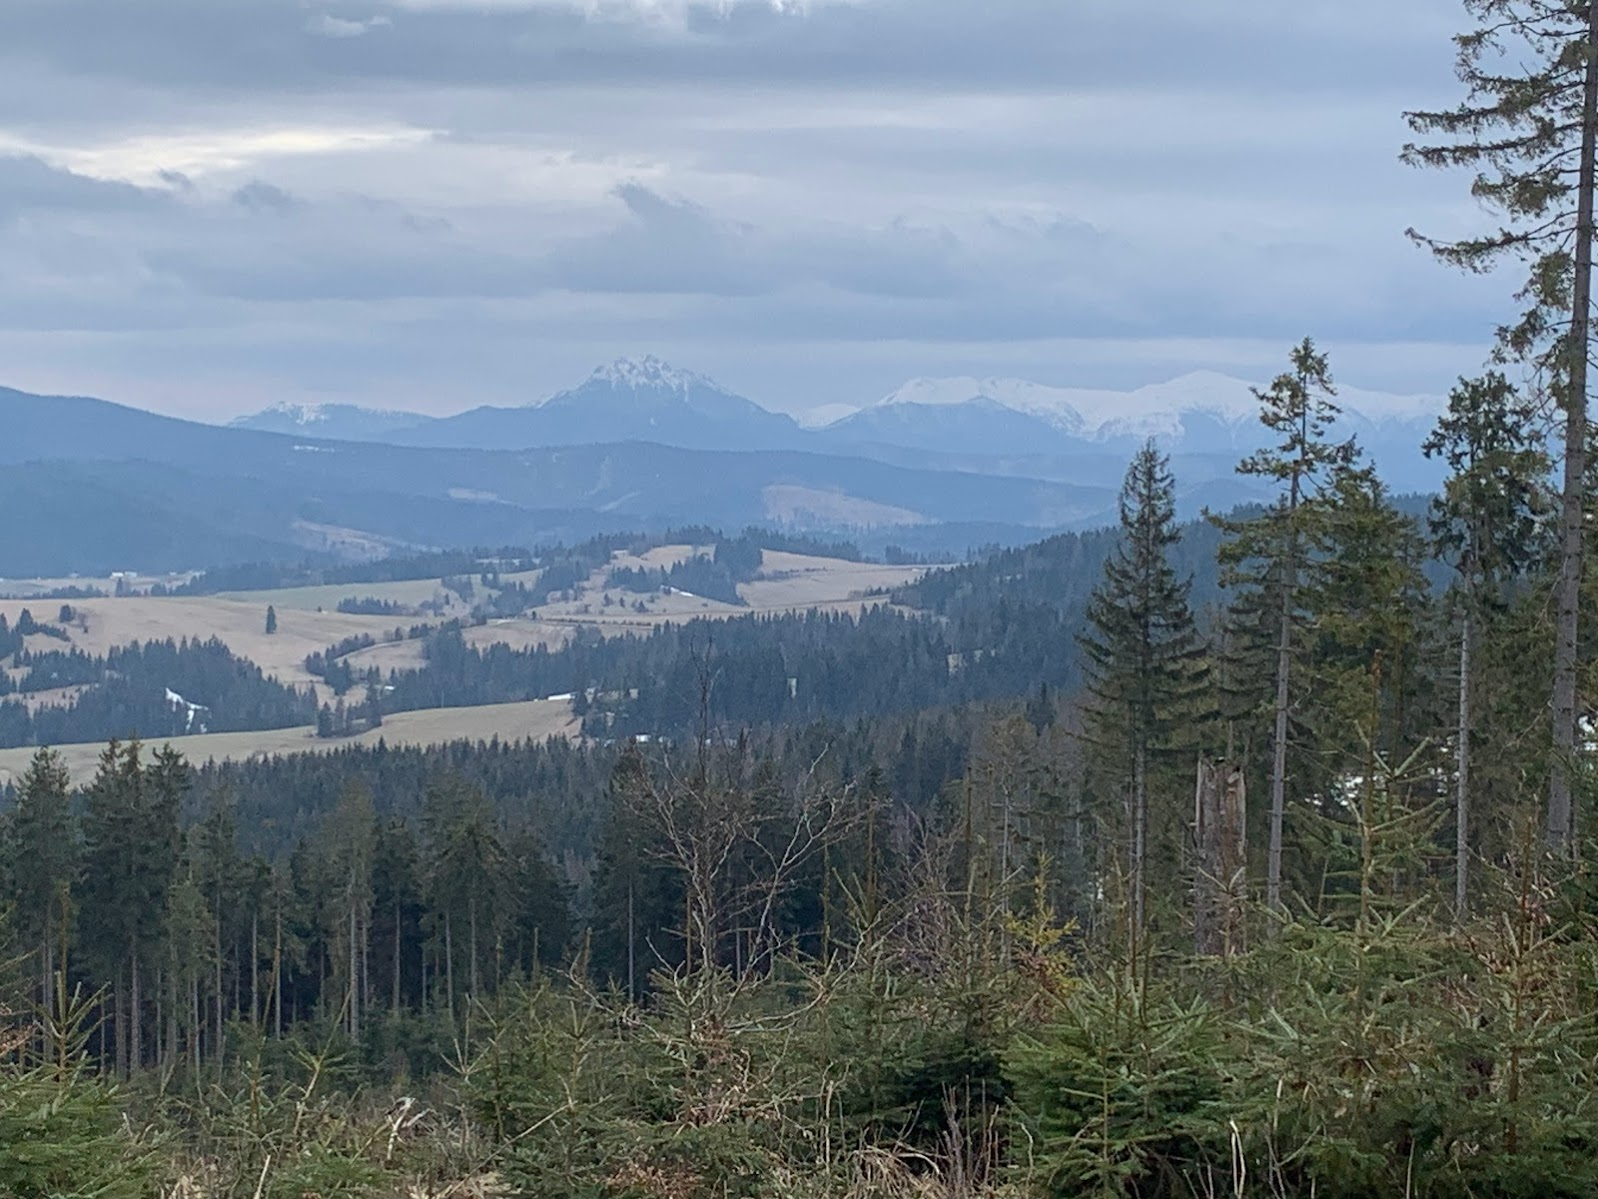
1528, 130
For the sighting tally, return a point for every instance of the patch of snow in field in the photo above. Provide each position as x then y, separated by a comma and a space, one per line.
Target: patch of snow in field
190, 711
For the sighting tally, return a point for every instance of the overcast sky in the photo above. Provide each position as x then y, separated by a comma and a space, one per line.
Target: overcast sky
208, 205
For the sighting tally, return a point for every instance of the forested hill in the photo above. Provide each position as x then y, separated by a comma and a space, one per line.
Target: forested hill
1062, 571
1059, 572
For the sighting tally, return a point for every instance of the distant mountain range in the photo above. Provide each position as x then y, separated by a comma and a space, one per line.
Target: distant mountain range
96, 486
993, 426
939, 465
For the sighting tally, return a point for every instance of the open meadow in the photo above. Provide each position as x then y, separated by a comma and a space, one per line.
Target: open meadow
535, 720
307, 623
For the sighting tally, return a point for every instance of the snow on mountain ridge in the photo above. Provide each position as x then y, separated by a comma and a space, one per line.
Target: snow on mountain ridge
300, 414
309, 415
1153, 410
650, 373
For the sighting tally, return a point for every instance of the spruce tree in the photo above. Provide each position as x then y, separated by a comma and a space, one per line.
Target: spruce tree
1486, 523
1363, 719
131, 843
271, 620
1143, 654
44, 851
1268, 554
466, 878
351, 837
1529, 129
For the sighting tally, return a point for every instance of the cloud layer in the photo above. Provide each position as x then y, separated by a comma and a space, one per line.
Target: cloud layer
435, 203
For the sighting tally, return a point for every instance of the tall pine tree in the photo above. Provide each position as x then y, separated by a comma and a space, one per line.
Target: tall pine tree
1268, 555
44, 847
1486, 523
1528, 128
1144, 657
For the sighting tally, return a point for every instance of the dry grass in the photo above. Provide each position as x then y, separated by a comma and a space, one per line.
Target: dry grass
787, 583
240, 626
408, 593
537, 719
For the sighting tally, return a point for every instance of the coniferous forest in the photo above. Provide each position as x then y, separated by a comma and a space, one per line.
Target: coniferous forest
1251, 858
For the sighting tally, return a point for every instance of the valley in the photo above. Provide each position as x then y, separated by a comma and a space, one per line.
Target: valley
798, 599
384, 645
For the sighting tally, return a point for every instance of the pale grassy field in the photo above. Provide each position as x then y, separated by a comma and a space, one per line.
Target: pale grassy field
787, 583
27, 588
795, 582
409, 593
538, 720
239, 626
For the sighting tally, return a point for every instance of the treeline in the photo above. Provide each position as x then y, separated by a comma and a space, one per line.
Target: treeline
385, 891
1060, 571
13, 638
370, 605
188, 940
757, 671
129, 691
273, 576
570, 564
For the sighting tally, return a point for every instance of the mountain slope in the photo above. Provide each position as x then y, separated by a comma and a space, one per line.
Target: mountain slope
113, 487
629, 400
1199, 416
338, 422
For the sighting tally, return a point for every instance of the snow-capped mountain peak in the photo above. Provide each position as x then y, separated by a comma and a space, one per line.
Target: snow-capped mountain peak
649, 374
1150, 411
648, 399
1200, 413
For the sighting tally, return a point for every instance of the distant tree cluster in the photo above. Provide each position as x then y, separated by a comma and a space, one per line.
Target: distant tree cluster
125, 693
370, 605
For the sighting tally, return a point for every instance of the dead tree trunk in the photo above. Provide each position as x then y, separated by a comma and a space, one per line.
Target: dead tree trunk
1219, 832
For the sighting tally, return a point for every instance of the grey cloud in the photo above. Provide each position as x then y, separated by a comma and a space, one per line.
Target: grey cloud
29, 183
943, 44
876, 183
260, 196
674, 246
999, 281
327, 25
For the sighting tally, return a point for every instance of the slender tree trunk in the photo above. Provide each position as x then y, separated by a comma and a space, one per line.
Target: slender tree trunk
1561, 829
365, 991
47, 969
217, 979
394, 1002
1462, 772
196, 1047
277, 974
472, 921
255, 968
1140, 826
160, 995
449, 969
172, 1010
135, 1020
632, 961
1284, 652
47, 998
355, 984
